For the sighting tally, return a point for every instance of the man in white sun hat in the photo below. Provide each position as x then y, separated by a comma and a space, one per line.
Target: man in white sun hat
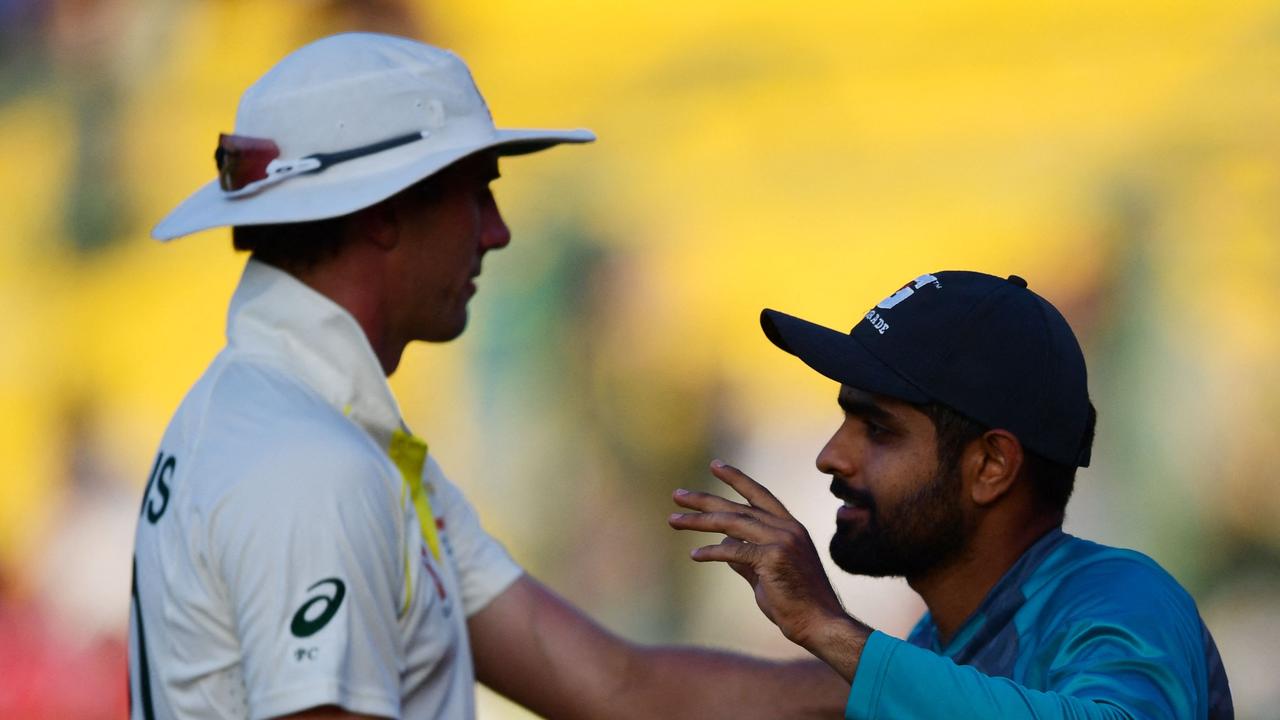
298, 551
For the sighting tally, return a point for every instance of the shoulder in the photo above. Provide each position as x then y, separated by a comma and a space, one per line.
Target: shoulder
440, 485
452, 506
1090, 579
454, 510
259, 432
246, 389
1118, 626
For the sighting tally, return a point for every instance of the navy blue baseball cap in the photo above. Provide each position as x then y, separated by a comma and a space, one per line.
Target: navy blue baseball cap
985, 346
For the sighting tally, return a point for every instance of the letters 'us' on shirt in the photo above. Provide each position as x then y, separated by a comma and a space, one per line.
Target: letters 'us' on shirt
296, 545
1074, 630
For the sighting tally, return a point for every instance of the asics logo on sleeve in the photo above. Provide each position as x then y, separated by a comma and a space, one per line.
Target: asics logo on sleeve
303, 626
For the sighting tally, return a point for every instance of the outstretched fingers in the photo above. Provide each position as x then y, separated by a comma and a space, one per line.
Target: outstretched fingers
764, 521
738, 554
754, 492
712, 503
740, 526
767, 546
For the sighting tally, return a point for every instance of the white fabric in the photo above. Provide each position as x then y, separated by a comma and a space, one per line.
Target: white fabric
344, 92
272, 489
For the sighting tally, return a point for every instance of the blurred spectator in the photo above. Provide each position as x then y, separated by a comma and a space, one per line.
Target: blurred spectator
82, 571
62, 648
43, 675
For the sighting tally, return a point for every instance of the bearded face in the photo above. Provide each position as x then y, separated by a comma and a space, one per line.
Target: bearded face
903, 512
903, 536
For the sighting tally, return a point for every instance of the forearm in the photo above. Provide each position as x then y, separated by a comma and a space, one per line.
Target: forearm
680, 682
836, 639
536, 649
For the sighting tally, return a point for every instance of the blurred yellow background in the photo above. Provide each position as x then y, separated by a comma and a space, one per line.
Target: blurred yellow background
809, 156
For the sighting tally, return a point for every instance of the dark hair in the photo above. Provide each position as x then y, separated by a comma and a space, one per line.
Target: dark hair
304, 245
292, 246
1051, 482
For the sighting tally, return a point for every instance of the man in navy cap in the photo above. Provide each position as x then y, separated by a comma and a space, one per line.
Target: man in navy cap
967, 413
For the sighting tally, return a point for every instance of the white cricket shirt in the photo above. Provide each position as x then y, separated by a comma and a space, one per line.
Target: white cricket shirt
279, 559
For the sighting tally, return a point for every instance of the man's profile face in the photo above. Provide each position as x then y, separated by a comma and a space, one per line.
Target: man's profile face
902, 512
446, 229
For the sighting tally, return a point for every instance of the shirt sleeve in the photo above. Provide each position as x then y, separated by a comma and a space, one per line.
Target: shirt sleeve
897, 680
1124, 647
485, 568
307, 544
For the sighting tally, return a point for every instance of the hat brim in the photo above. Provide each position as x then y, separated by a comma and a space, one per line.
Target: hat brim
346, 188
838, 356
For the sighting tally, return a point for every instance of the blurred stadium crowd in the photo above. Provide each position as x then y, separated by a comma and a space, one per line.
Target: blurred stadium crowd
1125, 158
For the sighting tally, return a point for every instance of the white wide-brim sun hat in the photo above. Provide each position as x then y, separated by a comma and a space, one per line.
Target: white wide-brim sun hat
350, 91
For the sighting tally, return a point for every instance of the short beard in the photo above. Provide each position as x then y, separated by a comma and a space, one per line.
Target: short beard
919, 533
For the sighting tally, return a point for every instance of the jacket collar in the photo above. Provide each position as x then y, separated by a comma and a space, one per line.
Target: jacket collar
274, 315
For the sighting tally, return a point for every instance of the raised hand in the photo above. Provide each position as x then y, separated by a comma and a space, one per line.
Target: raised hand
771, 549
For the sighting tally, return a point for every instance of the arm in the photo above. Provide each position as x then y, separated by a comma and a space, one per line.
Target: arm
312, 583
890, 678
535, 648
899, 680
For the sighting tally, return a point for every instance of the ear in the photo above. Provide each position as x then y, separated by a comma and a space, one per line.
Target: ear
993, 462
378, 225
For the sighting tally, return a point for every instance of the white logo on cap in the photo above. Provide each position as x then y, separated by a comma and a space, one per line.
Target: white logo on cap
906, 292
878, 322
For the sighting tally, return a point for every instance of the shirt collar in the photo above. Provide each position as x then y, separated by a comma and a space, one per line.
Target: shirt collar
997, 609
275, 315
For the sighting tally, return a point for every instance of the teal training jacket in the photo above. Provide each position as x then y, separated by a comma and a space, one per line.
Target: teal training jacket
1073, 630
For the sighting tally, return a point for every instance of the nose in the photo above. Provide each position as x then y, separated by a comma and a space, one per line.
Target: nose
840, 455
494, 233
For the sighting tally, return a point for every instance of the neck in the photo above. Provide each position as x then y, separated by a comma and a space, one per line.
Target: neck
954, 590
365, 303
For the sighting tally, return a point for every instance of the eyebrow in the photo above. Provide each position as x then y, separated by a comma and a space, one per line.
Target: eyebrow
863, 408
